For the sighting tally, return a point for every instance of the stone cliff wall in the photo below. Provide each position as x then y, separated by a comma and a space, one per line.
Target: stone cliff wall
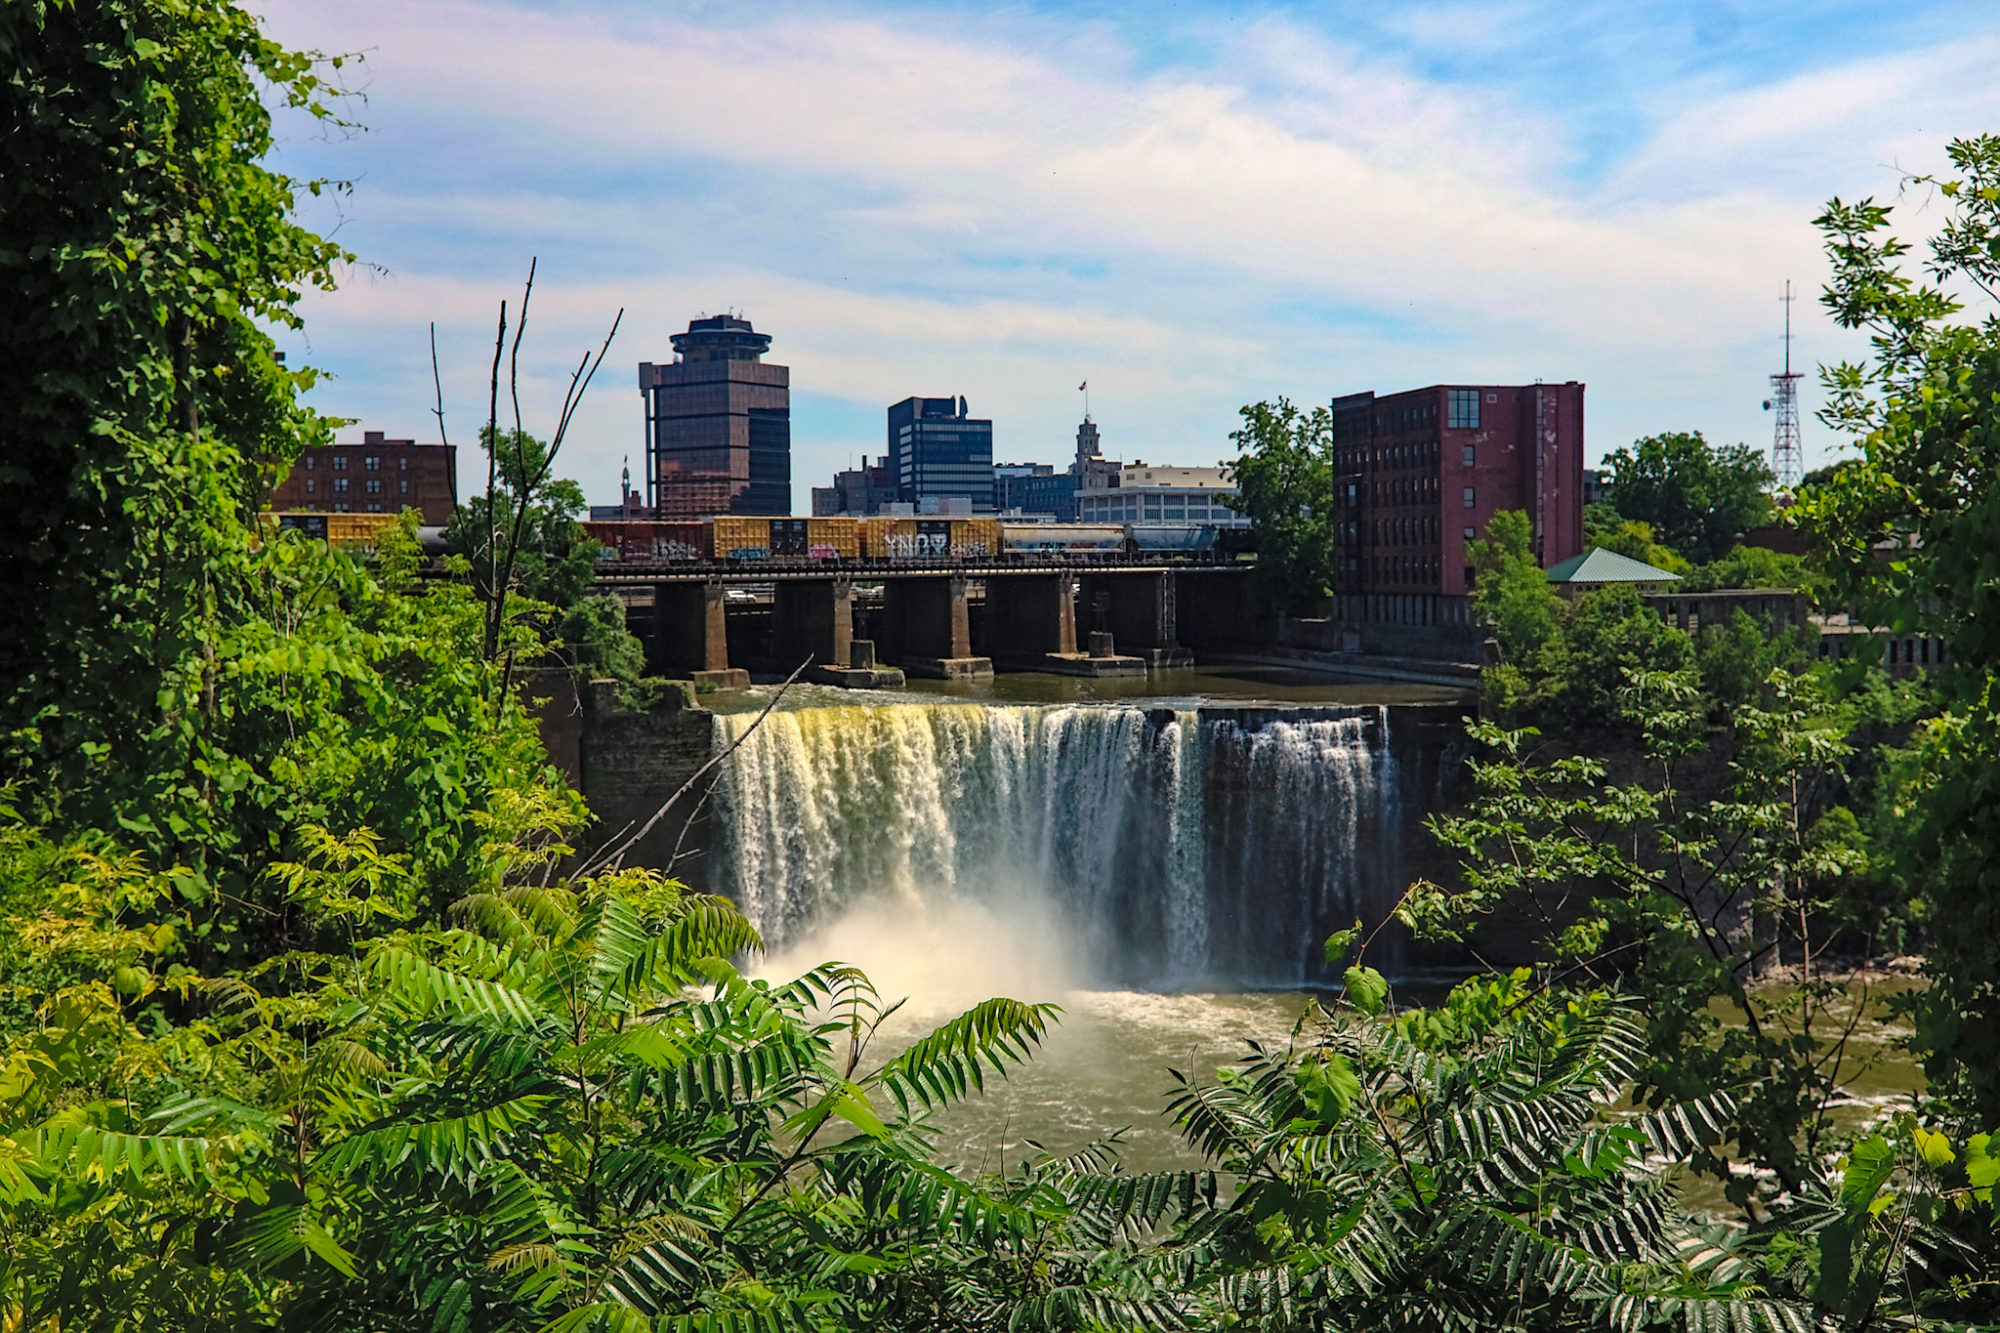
631, 761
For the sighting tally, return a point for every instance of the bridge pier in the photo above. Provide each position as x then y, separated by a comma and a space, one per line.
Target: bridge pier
927, 628
815, 619
1140, 612
1031, 626
691, 635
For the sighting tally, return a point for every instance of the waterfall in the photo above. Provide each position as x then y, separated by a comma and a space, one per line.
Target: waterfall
1167, 848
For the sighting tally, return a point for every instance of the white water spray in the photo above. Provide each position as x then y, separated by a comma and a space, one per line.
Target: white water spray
962, 845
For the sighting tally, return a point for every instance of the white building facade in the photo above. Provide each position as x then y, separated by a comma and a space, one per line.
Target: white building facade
1168, 495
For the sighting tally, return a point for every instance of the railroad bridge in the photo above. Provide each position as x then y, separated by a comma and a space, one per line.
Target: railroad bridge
866, 622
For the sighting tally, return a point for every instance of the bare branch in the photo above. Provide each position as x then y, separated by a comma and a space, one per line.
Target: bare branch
437, 383
492, 459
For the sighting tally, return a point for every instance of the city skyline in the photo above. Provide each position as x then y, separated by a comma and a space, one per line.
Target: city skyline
1192, 212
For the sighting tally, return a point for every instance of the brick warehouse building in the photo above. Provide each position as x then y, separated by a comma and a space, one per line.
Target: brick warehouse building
1419, 473
377, 476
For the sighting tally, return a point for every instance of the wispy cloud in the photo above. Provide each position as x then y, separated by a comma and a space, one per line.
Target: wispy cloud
1001, 203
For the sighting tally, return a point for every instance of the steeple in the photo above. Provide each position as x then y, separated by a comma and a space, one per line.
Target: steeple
1086, 446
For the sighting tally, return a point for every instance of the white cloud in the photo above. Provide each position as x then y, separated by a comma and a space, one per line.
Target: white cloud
1296, 215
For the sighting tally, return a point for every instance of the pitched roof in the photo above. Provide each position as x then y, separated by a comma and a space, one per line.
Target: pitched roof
1598, 565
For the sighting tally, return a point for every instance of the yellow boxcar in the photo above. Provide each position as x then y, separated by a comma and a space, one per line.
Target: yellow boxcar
931, 538
356, 529
975, 538
833, 538
337, 529
732, 538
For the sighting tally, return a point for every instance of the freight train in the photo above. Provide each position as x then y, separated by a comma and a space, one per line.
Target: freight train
801, 540
789, 540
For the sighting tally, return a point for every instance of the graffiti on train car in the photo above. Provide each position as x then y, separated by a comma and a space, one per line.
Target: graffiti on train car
917, 545
750, 553
821, 551
673, 550
970, 550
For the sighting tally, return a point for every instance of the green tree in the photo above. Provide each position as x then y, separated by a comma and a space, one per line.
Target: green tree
144, 251
1510, 592
1910, 530
1698, 498
1605, 527
1686, 879
1283, 473
1461, 1168
1752, 567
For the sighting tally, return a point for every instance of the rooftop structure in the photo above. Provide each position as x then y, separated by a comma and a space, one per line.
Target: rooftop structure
1597, 567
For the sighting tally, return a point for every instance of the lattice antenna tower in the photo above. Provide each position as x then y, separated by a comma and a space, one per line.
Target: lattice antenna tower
1787, 458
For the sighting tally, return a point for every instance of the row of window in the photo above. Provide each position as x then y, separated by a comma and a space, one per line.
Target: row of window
1092, 509
1403, 455
374, 487
372, 463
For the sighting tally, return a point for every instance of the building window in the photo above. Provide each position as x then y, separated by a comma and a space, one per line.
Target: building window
375, 509
1462, 409
374, 486
372, 463
405, 485
310, 485
1468, 455
340, 462
311, 462
402, 465
1468, 497
340, 484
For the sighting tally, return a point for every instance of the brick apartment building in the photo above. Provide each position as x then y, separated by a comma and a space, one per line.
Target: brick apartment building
1419, 473
377, 476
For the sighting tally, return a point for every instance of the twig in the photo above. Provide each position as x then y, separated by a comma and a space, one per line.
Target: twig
492, 458
572, 399
437, 383
612, 859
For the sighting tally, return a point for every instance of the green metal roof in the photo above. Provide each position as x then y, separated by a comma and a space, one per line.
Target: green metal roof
1598, 565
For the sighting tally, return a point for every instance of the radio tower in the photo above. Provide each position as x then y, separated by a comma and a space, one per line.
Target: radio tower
1786, 460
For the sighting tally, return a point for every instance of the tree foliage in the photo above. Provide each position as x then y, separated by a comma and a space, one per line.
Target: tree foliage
1605, 527
1911, 531
1696, 497
144, 250
1283, 473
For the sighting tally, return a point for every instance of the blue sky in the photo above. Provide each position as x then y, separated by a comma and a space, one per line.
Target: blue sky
1193, 206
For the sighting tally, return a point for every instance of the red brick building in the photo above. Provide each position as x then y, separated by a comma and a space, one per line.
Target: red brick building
1419, 473
376, 476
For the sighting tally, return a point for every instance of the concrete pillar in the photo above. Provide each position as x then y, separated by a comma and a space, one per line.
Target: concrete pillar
1031, 616
812, 619
690, 634
927, 627
1141, 611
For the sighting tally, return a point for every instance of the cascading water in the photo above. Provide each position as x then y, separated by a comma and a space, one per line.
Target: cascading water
1165, 848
